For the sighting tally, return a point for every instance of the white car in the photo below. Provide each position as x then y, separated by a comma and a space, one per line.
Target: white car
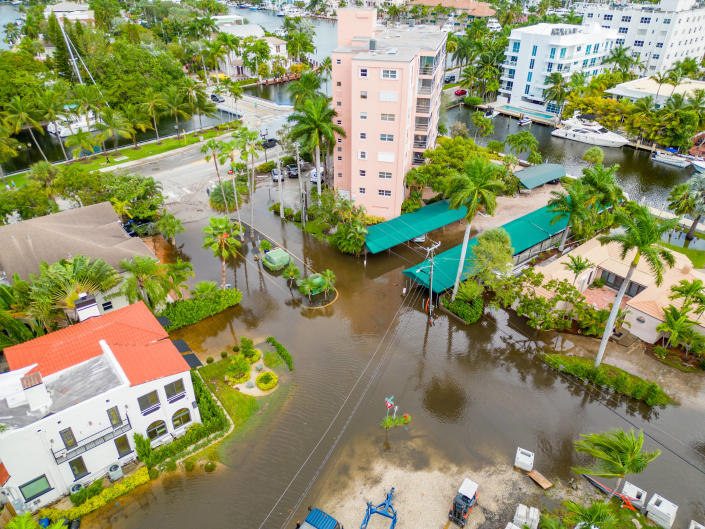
276, 175
314, 175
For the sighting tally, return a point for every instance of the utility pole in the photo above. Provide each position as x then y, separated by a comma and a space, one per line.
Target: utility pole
281, 187
302, 187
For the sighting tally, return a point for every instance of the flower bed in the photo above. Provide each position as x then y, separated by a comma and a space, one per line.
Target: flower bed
266, 381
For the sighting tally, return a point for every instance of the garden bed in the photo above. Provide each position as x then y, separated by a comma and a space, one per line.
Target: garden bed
676, 358
608, 376
239, 407
185, 312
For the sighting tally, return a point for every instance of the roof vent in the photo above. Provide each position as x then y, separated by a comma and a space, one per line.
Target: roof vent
373, 44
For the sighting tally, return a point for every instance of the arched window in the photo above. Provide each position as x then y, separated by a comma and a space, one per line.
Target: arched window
156, 429
181, 417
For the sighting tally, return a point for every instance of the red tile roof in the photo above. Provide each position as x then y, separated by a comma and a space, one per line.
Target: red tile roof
4, 474
140, 345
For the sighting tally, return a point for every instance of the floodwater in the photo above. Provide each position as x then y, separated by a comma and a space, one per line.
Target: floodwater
474, 394
8, 13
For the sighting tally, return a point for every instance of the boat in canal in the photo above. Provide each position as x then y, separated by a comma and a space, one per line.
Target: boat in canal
588, 132
491, 113
670, 159
524, 120
70, 125
698, 165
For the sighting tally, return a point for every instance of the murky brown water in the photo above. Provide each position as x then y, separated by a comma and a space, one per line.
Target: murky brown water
474, 393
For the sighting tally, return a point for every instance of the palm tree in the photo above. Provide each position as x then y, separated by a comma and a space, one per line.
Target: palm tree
475, 188
328, 281
177, 275
82, 141
689, 291
147, 280
689, 199
112, 123
522, 141
676, 323
51, 107
577, 83
642, 233
596, 515
137, 119
19, 113
307, 87
228, 150
675, 77
220, 239
601, 185
88, 98
326, 68
557, 90
230, 44
212, 149
154, 104
175, 103
249, 144
577, 264
571, 206
314, 126
8, 146
617, 454
621, 57
168, 225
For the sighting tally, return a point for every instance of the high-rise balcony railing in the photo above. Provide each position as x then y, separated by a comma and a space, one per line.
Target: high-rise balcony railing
424, 90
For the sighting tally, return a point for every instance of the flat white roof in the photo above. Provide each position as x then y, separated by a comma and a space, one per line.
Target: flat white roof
645, 86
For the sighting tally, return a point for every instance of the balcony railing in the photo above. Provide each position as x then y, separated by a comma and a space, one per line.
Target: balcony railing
510, 63
417, 161
423, 109
424, 90
90, 442
422, 127
420, 144
426, 70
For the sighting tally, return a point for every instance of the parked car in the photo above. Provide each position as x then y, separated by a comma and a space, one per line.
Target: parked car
217, 98
460, 92
269, 143
450, 78
314, 175
276, 174
292, 170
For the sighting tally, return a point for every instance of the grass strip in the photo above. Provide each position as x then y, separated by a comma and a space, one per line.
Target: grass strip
697, 257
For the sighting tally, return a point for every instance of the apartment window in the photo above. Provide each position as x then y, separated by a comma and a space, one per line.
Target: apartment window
593, 61
340, 158
35, 488
526, 89
389, 74
666, 20
587, 49
656, 56
122, 445
156, 430
595, 72
363, 135
531, 74
620, 42
553, 53
68, 438
340, 122
363, 72
659, 44
340, 140
638, 43
340, 149
78, 468
338, 61
597, 48
559, 67
340, 175
384, 192
175, 390
608, 17
108, 305
386, 137
589, 15
338, 83
562, 53
363, 173
361, 190
578, 48
385, 174
114, 416
534, 50
645, 20
181, 417
531, 64
362, 155
363, 115
585, 63
387, 117
623, 31
626, 19
549, 67
149, 402
363, 95
338, 103
515, 47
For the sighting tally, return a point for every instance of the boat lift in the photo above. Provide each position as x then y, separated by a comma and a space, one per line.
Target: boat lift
385, 509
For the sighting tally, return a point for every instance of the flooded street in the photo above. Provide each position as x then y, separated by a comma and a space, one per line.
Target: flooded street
474, 394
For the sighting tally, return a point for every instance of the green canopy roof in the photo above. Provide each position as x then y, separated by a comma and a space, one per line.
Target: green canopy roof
276, 259
524, 232
538, 175
405, 227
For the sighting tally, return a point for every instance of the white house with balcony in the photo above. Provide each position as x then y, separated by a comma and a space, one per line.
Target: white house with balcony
658, 34
534, 52
73, 400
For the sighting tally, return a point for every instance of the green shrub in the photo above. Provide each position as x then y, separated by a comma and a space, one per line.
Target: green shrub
292, 271
472, 101
297, 216
209, 360
238, 371
265, 245
252, 355
266, 167
189, 465
210, 466
153, 473
469, 290
274, 208
288, 213
236, 348
223, 354
185, 312
282, 352
266, 381
288, 160
598, 283
660, 352
469, 312
411, 204
216, 196
495, 146
85, 493
171, 465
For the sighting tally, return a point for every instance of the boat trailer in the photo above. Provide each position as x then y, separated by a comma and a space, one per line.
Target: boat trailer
383, 509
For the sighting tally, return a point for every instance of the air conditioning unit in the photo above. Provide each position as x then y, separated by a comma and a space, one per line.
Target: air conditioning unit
76, 488
114, 472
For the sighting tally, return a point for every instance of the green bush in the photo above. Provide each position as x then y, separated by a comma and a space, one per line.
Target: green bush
292, 271
236, 348
238, 370
297, 216
210, 466
209, 360
469, 312
171, 465
223, 354
495, 146
288, 213
216, 197
153, 473
282, 352
598, 283
288, 160
274, 208
91, 490
185, 312
660, 352
411, 204
265, 245
266, 381
472, 101
189, 465
265, 167
469, 290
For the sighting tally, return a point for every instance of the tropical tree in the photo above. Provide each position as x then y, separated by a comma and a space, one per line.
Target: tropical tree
676, 323
220, 238
176, 104
350, 237
661, 79
617, 454
577, 264
601, 185
482, 124
51, 107
154, 104
149, 281
313, 127
557, 90
82, 142
570, 206
168, 225
641, 234
308, 86
522, 141
113, 124
621, 58
212, 149
594, 155
596, 515
689, 292
689, 199
328, 281
20, 113
9, 146
249, 144
475, 188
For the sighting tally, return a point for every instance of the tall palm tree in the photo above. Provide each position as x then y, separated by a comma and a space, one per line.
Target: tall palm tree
313, 127
230, 44
137, 119
113, 124
617, 454
154, 104
522, 141
169, 225
475, 188
9, 146
308, 86
51, 107
676, 323
557, 90
221, 239
88, 98
689, 199
175, 103
20, 113
571, 206
249, 144
661, 79
82, 142
621, 58
642, 233
601, 185
212, 149
147, 280
675, 77
229, 150
577, 264
689, 291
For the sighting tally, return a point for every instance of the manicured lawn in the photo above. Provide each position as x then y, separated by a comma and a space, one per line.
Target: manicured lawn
19, 179
240, 407
697, 257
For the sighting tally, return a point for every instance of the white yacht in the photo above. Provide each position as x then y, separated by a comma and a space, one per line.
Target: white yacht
699, 165
589, 132
68, 126
670, 159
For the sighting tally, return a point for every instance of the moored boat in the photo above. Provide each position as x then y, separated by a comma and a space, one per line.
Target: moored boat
589, 132
670, 159
524, 120
699, 165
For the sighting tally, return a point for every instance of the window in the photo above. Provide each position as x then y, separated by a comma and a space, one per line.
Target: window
597, 48
587, 49
363, 72
338, 61
656, 56
338, 83
340, 140
123, 446
175, 390
620, 42
340, 122
114, 416
515, 47
385, 174
528, 80
339, 103
553, 53
387, 117
526, 89
645, 20
362, 155
108, 305
35, 488
531, 67
593, 61
595, 72
68, 438
563, 50
549, 67
156, 430
608, 17
559, 67
361, 190
666, 20
578, 48
388, 96
363, 95
384, 192
658, 45
623, 31
181, 417
389, 74
148, 403
590, 15
386, 137
626, 19
363, 115
340, 158
534, 50
340, 149
638, 43
363, 135
78, 468
363, 173
585, 63
340, 175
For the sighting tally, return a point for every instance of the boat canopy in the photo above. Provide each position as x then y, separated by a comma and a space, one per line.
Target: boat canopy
538, 175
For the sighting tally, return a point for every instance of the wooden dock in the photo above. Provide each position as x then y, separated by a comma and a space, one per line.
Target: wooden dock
540, 480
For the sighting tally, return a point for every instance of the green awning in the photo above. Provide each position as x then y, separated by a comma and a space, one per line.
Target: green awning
410, 225
538, 175
524, 232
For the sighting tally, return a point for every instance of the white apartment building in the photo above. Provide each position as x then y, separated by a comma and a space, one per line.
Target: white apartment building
73, 400
534, 52
387, 85
659, 34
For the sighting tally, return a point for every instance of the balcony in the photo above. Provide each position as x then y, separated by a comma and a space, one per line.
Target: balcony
423, 109
424, 90
417, 160
422, 125
90, 442
509, 64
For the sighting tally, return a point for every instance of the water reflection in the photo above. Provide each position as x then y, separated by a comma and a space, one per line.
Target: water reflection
444, 398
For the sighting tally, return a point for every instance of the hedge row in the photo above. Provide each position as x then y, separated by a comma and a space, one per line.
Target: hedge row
608, 376
185, 312
282, 352
469, 312
120, 488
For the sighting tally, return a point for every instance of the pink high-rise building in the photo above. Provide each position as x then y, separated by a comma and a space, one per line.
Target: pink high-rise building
387, 85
